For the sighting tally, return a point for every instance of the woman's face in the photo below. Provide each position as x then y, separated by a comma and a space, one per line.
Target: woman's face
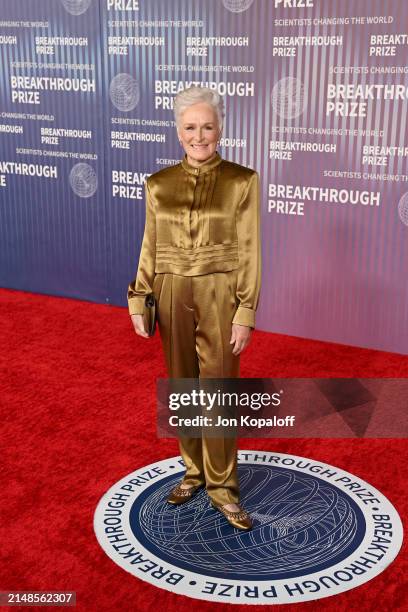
199, 132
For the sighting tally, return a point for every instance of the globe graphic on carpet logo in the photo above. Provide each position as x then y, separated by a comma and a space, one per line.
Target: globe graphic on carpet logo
317, 531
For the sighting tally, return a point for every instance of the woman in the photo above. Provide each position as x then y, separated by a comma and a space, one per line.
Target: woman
200, 257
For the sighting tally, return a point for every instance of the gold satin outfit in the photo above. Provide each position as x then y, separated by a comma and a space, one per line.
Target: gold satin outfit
201, 258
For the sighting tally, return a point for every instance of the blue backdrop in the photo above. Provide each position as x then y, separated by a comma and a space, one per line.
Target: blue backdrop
316, 101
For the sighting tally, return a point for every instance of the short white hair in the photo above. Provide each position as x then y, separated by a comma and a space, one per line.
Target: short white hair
194, 95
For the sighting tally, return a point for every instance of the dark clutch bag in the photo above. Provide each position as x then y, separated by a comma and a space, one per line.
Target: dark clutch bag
150, 314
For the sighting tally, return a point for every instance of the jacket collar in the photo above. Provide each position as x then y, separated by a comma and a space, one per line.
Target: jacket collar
204, 167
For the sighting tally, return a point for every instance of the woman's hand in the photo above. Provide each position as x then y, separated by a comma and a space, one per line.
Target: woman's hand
240, 337
138, 324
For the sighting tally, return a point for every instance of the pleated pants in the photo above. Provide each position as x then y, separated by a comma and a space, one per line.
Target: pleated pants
195, 320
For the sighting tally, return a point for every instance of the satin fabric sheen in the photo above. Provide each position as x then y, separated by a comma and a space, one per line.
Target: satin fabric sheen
195, 317
199, 221
200, 256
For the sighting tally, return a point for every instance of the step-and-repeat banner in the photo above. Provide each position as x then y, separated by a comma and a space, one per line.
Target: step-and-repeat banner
316, 100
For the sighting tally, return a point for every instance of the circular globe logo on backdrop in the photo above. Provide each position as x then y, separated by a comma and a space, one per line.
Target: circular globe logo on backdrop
318, 531
288, 98
237, 6
124, 92
403, 208
83, 180
76, 7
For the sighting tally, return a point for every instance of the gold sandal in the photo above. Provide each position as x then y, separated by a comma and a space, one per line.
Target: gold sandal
180, 496
240, 519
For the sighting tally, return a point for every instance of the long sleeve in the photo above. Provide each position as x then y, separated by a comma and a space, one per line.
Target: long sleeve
249, 253
143, 283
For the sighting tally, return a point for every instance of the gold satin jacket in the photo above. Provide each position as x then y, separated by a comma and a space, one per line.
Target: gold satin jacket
198, 221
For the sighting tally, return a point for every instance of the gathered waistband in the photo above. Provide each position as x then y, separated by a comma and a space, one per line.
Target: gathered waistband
202, 259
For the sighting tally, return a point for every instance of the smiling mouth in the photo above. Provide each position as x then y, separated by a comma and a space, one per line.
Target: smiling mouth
199, 146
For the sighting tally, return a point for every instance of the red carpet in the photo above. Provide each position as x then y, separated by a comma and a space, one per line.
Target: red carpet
78, 410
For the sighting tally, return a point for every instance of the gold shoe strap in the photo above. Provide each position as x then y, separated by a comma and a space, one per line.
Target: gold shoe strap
182, 492
241, 514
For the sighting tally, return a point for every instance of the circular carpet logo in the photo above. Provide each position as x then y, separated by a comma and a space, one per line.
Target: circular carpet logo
317, 531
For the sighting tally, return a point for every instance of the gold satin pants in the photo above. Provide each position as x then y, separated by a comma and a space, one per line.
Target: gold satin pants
195, 320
